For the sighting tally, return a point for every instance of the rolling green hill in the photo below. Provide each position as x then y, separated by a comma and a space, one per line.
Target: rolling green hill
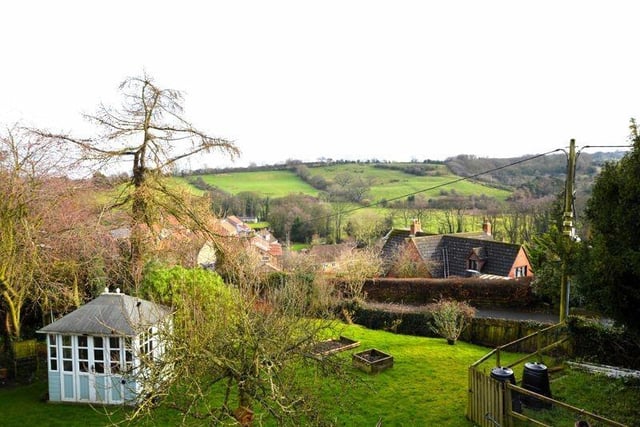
385, 183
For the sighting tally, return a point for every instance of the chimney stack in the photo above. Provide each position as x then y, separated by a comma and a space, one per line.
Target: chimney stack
486, 227
415, 227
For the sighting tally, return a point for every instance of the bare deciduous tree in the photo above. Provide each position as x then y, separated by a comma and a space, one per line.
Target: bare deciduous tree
26, 161
149, 132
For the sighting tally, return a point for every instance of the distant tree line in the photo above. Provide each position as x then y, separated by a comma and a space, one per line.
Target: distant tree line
425, 169
550, 171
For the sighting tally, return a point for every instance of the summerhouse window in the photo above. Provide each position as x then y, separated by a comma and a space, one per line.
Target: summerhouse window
128, 354
83, 354
53, 353
115, 354
98, 355
146, 342
67, 353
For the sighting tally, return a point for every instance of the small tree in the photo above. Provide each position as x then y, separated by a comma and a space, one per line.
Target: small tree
450, 318
237, 347
354, 268
404, 264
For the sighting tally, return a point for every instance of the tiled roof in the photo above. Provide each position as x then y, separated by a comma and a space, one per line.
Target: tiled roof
275, 249
109, 314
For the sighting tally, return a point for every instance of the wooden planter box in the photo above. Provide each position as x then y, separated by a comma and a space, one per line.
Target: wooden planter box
372, 361
333, 345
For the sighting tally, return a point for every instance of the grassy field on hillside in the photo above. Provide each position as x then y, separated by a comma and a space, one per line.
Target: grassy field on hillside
386, 183
268, 183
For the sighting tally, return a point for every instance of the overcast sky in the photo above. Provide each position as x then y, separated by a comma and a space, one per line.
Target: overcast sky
394, 80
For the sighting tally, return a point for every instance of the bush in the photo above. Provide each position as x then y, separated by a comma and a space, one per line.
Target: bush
450, 317
595, 342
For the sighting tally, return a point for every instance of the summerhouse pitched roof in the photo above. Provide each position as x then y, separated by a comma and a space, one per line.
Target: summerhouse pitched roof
110, 314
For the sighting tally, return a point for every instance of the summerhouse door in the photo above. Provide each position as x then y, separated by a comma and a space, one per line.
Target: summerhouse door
90, 384
93, 365
99, 374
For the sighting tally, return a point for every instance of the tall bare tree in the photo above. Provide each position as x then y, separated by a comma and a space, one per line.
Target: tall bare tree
26, 161
149, 132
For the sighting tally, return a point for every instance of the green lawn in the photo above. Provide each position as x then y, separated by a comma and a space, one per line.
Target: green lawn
427, 386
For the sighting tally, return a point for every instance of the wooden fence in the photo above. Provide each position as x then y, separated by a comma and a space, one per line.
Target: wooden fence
492, 403
25, 363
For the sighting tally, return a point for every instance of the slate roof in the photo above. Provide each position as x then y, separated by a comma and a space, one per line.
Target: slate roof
498, 256
395, 239
109, 314
329, 253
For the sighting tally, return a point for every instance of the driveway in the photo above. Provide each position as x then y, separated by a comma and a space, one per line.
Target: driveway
517, 315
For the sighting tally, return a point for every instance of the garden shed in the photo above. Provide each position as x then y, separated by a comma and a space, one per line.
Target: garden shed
95, 354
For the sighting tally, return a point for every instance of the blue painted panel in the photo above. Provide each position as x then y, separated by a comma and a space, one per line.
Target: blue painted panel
83, 381
116, 389
68, 388
55, 394
130, 392
101, 389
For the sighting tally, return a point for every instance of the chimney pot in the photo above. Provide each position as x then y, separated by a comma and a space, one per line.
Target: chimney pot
415, 227
486, 227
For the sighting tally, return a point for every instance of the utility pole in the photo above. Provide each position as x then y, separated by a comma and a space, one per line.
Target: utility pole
568, 230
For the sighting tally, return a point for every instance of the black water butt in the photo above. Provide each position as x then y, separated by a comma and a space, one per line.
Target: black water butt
535, 378
503, 374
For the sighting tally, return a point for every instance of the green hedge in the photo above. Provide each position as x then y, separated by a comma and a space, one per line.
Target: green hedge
487, 332
402, 323
596, 342
477, 292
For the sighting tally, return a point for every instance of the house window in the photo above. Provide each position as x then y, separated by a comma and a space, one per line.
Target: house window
53, 353
473, 264
521, 271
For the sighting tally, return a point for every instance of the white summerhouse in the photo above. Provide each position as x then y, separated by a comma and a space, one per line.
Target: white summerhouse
94, 353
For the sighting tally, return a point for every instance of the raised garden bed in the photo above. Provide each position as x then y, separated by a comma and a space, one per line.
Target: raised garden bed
372, 361
333, 345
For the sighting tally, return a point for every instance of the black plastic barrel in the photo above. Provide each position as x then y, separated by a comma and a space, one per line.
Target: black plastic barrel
506, 374
503, 374
535, 378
